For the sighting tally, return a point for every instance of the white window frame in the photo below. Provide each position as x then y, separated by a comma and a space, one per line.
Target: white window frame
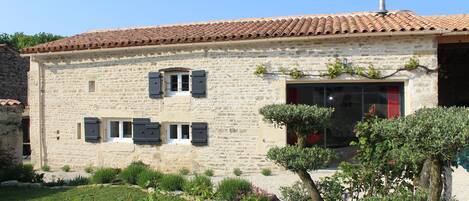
179, 91
121, 131
179, 139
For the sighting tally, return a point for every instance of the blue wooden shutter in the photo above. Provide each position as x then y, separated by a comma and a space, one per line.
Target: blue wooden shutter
155, 85
153, 133
199, 133
146, 132
199, 83
139, 125
91, 129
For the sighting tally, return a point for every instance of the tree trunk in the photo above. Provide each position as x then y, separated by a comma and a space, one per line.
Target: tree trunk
305, 177
424, 181
448, 184
436, 184
309, 184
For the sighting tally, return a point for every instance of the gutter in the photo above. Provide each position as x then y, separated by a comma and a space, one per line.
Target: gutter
239, 42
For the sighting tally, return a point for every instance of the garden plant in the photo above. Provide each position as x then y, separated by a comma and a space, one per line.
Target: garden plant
302, 120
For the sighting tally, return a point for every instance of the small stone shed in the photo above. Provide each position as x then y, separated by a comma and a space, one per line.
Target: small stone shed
11, 134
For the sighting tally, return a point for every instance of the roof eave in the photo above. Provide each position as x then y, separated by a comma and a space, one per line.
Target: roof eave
296, 38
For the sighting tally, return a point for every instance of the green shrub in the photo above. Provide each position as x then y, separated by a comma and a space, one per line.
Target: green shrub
331, 188
400, 194
22, 173
158, 196
184, 171
104, 175
254, 197
89, 169
233, 188
79, 181
58, 182
297, 158
66, 168
149, 178
172, 182
237, 172
130, 173
45, 168
209, 173
296, 192
266, 172
200, 186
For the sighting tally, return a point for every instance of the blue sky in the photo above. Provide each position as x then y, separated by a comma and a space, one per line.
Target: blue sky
68, 17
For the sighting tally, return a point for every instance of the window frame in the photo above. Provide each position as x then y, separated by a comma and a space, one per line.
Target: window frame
179, 139
121, 131
179, 91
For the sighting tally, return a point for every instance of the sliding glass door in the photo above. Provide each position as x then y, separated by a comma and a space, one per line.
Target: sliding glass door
351, 102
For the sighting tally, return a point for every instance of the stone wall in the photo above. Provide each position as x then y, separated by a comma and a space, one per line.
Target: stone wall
238, 137
11, 135
13, 75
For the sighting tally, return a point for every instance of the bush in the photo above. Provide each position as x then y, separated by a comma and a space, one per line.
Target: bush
237, 172
130, 173
104, 175
158, 196
399, 195
22, 173
200, 186
296, 192
184, 171
79, 181
66, 168
89, 169
45, 168
296, 158
209, 173
172, 182
266, 172
331, 188
254, 197
233, 188
149, 178
58, 182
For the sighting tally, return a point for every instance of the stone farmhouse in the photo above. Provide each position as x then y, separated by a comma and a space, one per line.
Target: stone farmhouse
187, 95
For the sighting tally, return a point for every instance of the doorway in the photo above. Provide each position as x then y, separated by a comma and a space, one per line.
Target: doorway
453, 82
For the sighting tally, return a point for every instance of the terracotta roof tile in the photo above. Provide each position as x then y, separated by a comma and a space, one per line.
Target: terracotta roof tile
9, 102
308, 25
451, 22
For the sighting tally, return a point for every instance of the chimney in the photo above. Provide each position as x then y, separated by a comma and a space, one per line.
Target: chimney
382, 7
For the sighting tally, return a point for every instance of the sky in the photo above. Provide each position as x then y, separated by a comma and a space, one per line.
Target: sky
67, 17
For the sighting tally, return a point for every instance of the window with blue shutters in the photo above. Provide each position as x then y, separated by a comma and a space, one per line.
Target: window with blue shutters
177, 83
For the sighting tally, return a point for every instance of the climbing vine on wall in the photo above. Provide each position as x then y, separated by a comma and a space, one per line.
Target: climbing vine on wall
339, 67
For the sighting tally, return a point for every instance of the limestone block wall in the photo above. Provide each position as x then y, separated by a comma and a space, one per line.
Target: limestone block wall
11, 135
238, 137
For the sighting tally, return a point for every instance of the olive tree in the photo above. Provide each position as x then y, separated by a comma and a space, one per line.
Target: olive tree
302, 120
438, 134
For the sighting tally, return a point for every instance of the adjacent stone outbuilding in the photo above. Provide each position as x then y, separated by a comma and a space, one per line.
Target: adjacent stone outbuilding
11, 135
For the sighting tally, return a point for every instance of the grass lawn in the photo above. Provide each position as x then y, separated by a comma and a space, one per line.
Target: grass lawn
105, 193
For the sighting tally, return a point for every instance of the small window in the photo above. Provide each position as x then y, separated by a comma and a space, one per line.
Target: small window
119, 130
78, 131
177, 83
179, 133
91, 86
